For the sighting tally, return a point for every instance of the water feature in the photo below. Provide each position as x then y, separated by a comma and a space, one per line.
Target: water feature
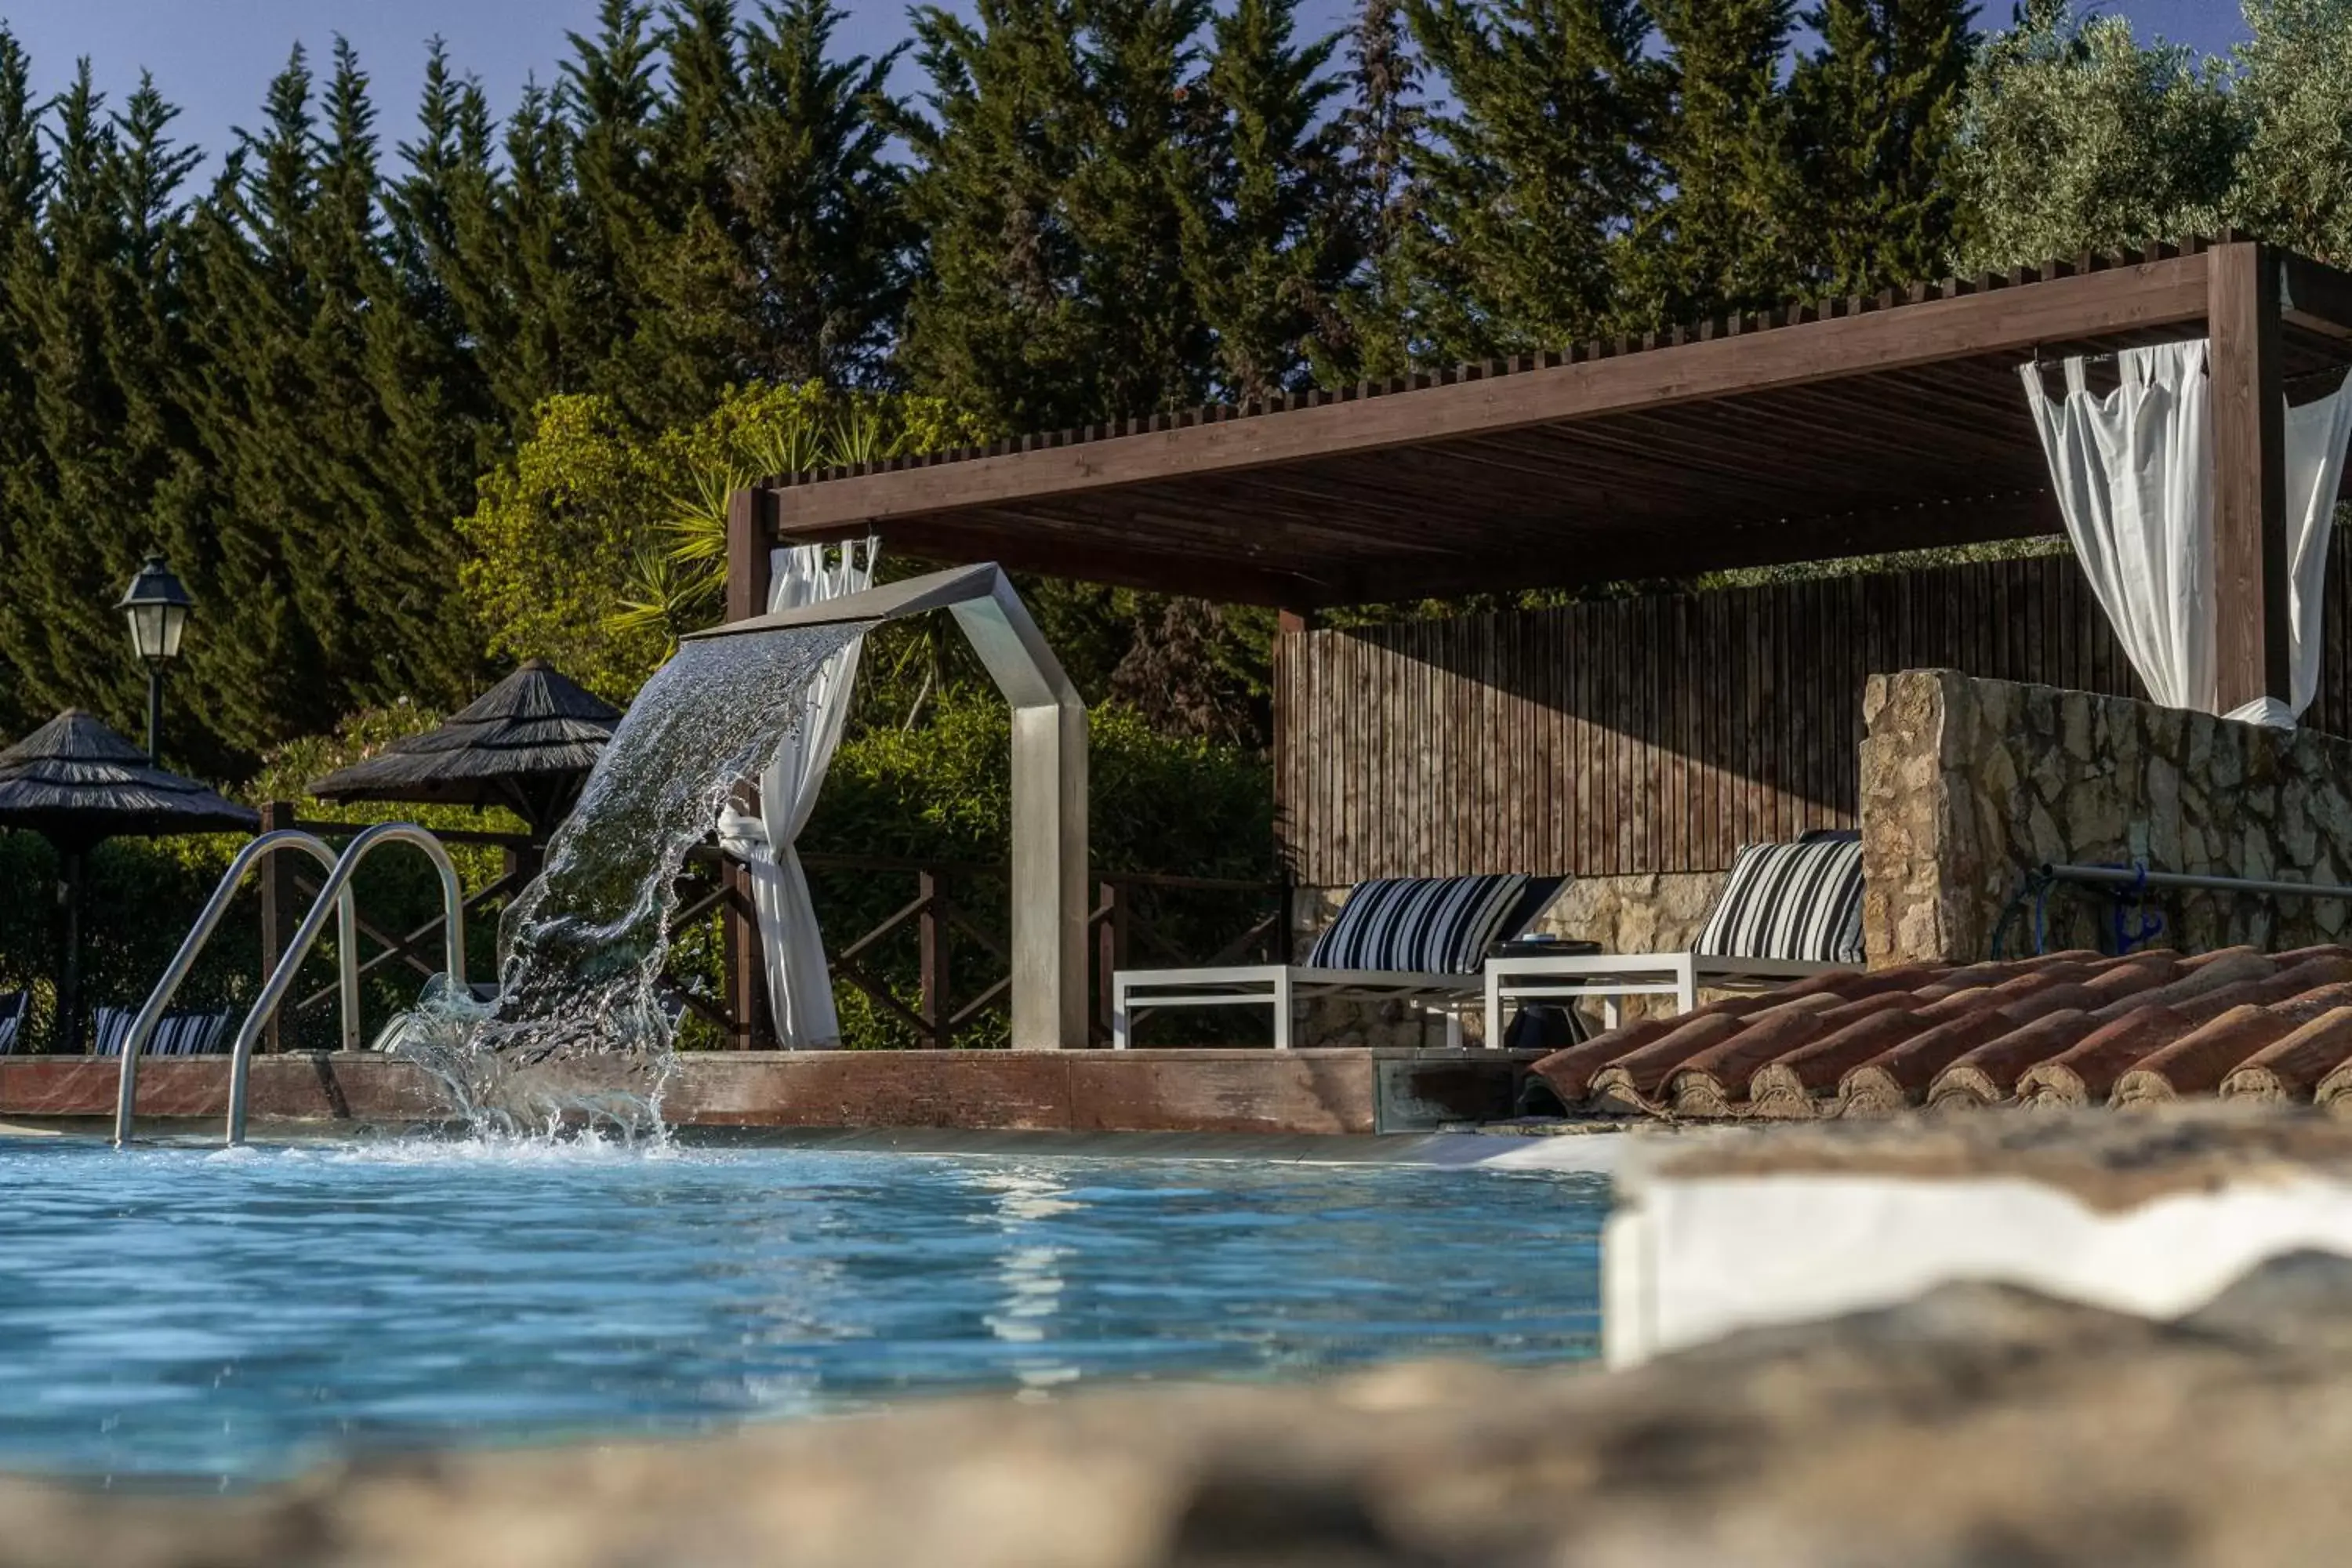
171, 1313
577, 1027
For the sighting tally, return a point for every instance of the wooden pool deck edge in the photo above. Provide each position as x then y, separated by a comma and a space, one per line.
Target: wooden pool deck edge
1315, 1092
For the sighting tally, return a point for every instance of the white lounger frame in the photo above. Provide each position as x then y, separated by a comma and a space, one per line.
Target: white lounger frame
1282, 987
1610, 976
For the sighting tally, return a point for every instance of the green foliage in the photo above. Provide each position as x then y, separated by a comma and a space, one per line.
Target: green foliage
2294, 92
292, 380
1535, 172
1878, 109
1728, 234
595, 546
941, 792
1055, 168
1271, 248
2076, 137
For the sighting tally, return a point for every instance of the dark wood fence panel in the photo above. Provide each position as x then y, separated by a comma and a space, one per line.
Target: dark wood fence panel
1654, 734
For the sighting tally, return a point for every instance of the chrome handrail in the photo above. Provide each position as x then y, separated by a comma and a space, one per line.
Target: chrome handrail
338, 886
256, 850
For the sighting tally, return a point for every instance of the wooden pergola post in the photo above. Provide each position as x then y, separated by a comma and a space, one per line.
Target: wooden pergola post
748, 577
2250, 540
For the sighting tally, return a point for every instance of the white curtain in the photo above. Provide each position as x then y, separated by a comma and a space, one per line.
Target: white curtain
800, 991
2134, 476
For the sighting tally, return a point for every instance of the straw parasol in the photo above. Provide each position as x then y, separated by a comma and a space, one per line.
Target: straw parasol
528, 743
75, 782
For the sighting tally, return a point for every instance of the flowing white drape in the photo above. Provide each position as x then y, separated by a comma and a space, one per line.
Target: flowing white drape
800, 989
2132, 472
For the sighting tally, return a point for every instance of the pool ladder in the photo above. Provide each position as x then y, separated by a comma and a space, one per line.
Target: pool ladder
335, 895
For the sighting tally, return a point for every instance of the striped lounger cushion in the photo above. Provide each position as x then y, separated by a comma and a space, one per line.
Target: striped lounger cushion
1430, 925
14, 1005
176, 1034
1797, 901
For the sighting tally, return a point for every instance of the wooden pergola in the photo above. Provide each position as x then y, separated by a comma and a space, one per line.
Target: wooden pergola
1851, 427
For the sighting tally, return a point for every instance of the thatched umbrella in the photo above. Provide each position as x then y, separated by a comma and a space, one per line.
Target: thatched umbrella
75, 782
528, 743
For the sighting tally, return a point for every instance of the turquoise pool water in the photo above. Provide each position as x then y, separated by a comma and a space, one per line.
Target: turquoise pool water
175, 1312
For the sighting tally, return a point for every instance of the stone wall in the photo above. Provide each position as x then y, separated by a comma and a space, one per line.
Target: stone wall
1969, 785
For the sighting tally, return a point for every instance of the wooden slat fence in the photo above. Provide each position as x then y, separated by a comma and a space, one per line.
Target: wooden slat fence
1639, 735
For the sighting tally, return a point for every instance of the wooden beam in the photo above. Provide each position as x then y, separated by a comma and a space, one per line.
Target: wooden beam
1660, 554
2123, 300
1028, 543
2250, 545
749, 536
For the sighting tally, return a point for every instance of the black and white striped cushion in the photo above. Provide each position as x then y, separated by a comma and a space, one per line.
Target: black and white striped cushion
187, 1034
176, 1034
1790, 901
110, 1026
14, 1006
1430, 925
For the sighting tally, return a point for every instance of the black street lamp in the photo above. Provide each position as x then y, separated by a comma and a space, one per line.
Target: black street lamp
157, 607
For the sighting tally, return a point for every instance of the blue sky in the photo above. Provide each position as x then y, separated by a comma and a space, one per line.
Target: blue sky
213, 57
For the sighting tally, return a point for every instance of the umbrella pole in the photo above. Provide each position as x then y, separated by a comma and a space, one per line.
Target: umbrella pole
68, 1032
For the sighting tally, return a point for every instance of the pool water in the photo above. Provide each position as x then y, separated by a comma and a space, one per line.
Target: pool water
185, 1313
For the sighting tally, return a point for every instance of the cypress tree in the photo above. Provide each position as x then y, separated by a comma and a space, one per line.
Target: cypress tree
999, 306
1878, 110
24, 172
527, 244
1138, 175
692, 340
1052, 177
607, 105
1383, 124
1537, 169
820, 201
160, 470
1721, 238
445, 192
1268, 248
267, 676
66, 496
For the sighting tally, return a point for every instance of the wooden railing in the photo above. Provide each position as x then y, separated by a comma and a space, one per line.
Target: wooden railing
961, 969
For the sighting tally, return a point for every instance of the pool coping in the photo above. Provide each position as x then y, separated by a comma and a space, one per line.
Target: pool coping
1601, 1152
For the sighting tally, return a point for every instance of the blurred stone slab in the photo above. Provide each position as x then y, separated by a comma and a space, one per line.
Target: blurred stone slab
2149, 1213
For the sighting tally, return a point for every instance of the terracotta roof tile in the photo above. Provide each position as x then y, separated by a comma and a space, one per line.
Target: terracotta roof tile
2291, 1069
2070, 1028
1894, 1078
1710, 1082
2198, 1061
1987, 1075
1787, 1088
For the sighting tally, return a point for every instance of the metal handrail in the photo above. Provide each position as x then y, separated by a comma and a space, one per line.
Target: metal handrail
337, 887
256, 850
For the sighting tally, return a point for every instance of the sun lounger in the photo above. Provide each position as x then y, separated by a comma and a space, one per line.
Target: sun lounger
1419, 941
15, 1007
1786, 911
176, 1034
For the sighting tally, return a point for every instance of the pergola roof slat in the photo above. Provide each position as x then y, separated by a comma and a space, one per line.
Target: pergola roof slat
1853, 425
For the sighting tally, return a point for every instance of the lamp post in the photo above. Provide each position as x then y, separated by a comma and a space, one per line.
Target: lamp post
157, 607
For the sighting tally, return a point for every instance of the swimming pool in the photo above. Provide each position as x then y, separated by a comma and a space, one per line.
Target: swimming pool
176, 1312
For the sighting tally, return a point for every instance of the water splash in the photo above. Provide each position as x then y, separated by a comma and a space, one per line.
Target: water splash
578, 1031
